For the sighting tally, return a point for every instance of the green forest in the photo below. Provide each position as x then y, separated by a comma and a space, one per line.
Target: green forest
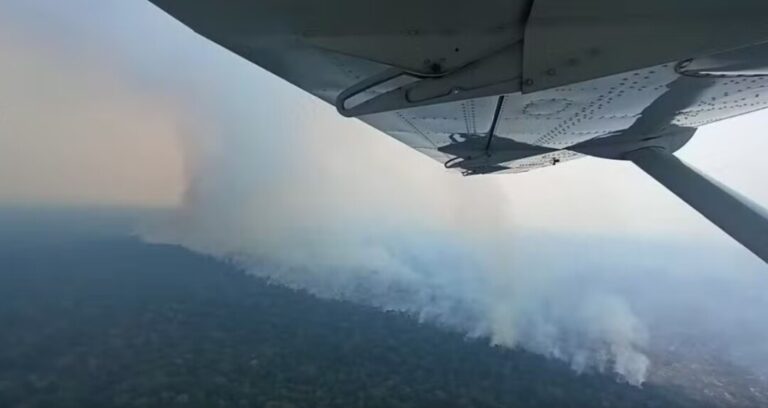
114, 322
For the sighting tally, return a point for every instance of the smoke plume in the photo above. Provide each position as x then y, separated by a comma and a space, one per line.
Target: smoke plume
310, 201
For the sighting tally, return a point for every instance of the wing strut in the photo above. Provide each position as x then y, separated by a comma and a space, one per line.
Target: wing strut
740, 218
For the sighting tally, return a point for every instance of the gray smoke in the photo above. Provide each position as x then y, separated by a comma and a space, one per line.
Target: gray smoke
292, 193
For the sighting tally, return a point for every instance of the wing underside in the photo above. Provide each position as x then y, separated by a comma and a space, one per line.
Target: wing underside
483, 86
493, 86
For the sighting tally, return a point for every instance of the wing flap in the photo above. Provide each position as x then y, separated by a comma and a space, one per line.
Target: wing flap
569, 41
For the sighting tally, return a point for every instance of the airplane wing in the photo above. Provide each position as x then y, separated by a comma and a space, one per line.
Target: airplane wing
490, 86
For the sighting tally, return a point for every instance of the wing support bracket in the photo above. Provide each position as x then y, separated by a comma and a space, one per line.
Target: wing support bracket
736, 215
497, 74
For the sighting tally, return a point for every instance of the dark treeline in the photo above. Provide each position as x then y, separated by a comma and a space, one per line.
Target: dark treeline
118, 323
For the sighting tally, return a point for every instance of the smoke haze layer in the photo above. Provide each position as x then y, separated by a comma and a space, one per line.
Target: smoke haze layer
275, 181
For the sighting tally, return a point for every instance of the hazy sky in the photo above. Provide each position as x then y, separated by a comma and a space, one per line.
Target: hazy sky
73, 130
98, 95
112, 102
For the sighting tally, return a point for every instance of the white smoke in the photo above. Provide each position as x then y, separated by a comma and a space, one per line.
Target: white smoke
306, 199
